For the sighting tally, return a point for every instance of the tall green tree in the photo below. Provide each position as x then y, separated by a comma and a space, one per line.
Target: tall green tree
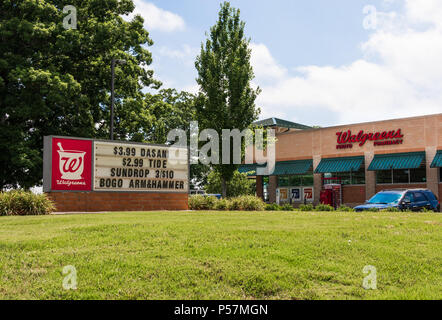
239, 185
171, 109
55, 81
224, 76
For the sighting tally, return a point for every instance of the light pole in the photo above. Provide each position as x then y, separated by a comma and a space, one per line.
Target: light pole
114, 61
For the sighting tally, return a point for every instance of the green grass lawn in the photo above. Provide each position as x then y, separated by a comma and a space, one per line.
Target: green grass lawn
222, 255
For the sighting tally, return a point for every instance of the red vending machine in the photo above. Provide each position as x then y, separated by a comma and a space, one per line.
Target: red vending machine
331, 193
326, 197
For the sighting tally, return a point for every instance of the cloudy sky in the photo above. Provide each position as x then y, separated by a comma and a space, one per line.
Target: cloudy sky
318, 62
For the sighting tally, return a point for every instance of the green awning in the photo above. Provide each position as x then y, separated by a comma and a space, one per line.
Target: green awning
281, 168
411, 160
344, 164
437, 162
292, 167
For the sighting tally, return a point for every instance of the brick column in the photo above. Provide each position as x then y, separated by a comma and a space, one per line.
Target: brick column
317, 180
370, 177
432, 173
273, 185
259, 187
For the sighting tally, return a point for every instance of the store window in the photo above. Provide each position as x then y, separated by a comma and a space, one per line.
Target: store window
402, 176
346, 178
307, 180
341, 177
358, 177
384, 176
296, 180
418, 175
283, 181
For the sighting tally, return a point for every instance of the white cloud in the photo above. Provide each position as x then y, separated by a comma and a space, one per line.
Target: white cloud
179, 86
171, 59
399, 74
424, 11
185, 54
193, 88
265, 66
156, 18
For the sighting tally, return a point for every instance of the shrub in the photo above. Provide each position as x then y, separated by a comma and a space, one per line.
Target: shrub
196, 202
373, 210
210, 203
324, 207
23, 203
234, 204
287, 207
345, 209
199, 202
426, 210
391, 209
252, 203
222, 205
272, 207
247, 203
306, 207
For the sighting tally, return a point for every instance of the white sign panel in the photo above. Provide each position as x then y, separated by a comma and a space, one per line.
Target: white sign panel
140, 168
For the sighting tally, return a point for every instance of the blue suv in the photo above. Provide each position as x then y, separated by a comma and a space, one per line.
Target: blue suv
403, 199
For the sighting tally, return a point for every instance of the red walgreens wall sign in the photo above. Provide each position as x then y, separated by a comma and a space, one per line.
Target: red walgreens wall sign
346, 139
71, 164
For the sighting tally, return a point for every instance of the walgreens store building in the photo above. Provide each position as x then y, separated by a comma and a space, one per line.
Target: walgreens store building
351, 163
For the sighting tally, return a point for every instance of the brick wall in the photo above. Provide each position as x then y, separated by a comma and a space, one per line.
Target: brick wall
353, 195
370, 176
381, 187
432, 173
317, 181
273, 185
420, 133
440, 193
117, 201
259, 187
